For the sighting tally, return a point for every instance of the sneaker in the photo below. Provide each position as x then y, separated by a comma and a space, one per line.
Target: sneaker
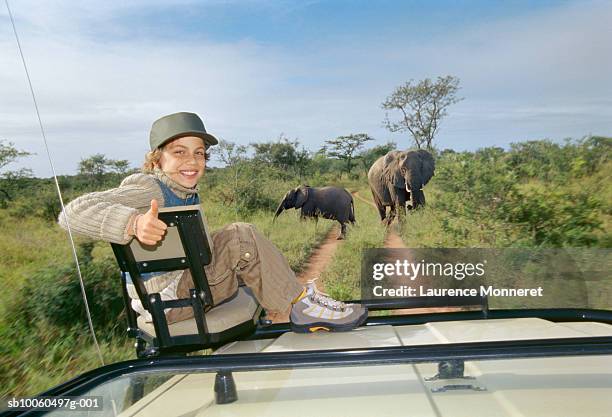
318, 311
168, 293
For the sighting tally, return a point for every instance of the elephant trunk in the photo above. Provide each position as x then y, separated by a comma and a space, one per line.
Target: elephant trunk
415, 189
418, 197
413, 183
279, 209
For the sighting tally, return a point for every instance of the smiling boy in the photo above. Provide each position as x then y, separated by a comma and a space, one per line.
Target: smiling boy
172, 168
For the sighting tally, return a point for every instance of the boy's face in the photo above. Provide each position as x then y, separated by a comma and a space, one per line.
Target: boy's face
183, 160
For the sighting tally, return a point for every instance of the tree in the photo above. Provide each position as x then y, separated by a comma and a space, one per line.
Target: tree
234, 158
345, 148
97, 166
229, 153
121, 166
367, 157
422, 105
9, 154
283, 154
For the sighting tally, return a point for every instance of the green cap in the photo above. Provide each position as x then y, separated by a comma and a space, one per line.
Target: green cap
178, 125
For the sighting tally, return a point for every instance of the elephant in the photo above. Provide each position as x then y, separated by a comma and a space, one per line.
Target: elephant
333, 203
399, 177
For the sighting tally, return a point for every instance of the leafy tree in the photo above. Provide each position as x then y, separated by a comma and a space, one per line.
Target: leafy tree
11, 179
592, 153
321, 164
8, 153
422, 105
234, 157
121, 166
369, 156
283, 154
345, 148
229, 153
97, 166
560, 163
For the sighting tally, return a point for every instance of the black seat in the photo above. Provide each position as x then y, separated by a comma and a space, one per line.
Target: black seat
186, 245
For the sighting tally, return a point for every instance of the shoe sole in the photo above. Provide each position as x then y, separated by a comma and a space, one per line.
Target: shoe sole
327, 327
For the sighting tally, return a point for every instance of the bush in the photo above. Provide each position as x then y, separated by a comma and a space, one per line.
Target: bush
249, 186
555, 217
53, 295
473, 183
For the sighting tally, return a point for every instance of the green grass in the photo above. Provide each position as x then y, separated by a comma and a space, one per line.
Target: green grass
48, 356
342, 277
26, 245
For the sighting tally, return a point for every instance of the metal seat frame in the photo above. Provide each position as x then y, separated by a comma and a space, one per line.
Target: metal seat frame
189, 223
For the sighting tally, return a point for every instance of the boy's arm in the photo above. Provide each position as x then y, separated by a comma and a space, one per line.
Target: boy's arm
109, 215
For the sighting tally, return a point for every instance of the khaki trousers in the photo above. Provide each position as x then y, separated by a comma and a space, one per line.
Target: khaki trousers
240, 254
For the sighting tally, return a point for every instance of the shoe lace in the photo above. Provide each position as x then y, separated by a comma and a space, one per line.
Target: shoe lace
324, 299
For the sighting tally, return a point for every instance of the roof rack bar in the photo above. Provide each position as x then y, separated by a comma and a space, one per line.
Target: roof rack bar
555, 315
421, 302
512, 349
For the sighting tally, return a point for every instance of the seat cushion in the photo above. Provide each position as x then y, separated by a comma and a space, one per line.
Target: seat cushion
240, 309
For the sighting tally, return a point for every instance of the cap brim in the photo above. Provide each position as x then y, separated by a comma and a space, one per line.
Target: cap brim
209, 139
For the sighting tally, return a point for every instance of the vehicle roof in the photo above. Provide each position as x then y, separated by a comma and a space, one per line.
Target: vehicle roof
544, 387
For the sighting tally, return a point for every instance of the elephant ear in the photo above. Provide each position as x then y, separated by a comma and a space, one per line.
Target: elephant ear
302, 196
391, 171
427, 164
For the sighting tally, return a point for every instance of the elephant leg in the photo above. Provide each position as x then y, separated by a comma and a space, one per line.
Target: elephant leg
382, 209
342, 234
382, 212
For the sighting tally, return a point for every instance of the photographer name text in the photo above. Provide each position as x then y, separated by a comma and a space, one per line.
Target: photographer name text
482, 291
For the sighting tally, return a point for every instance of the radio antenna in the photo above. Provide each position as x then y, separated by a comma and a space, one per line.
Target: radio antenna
57, 187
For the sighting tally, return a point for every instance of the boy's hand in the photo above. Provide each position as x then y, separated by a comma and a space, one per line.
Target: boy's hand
149, 229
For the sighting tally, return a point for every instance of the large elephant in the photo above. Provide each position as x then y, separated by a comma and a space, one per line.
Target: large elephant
399, 177
328, 202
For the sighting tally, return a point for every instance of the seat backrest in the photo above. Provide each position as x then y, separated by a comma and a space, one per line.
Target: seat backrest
186, 245
171, 246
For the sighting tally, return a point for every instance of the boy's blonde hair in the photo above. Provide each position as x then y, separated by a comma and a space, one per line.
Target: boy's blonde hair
151, 160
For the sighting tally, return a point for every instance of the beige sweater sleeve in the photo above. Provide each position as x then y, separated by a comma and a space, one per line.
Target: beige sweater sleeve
106, 215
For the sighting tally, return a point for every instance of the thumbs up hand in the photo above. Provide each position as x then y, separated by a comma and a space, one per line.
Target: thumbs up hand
149, 229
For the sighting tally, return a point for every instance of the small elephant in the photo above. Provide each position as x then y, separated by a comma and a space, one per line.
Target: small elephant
328, 202
399, 177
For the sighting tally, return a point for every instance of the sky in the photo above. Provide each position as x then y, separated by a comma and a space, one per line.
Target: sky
102, 72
